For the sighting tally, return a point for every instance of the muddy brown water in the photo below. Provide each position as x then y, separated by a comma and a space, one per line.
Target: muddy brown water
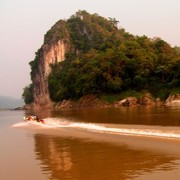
91, 144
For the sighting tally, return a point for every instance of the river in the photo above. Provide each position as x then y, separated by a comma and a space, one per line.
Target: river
91, 144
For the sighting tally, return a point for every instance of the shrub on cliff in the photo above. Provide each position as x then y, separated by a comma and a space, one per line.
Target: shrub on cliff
27, 94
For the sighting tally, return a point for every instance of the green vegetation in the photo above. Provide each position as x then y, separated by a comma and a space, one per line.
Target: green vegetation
28, 94
122, 95
57, 32
104, 59
111, 61
34, 63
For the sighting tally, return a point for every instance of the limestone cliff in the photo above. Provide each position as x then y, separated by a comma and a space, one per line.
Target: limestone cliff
99, 58
49, 54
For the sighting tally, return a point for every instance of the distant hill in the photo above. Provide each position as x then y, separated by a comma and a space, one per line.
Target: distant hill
7, 102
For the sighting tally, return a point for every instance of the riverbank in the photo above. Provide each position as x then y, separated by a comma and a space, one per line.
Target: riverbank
107, 101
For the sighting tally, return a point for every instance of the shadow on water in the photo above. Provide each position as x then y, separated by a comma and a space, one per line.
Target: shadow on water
70, 158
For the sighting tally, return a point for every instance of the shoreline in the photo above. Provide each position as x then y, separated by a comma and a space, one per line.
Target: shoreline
93, 101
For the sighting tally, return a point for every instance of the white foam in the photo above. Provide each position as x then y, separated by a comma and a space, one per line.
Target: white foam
63, 123
121, 131
20, 124
29, 124
124, 131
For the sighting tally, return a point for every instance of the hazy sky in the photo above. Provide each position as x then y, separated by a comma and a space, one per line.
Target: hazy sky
23, 24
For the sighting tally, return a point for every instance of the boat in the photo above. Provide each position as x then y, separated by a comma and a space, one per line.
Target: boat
34, 118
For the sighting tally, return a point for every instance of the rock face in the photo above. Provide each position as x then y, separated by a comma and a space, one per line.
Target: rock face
173, 100
49, 54
88, 101
54, 53
129, 101
147, 100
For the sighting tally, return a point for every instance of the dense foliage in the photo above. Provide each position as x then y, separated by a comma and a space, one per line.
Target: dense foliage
111, 61
105, 59
27, 94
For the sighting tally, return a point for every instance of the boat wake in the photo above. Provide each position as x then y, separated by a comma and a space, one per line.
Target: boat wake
128, 130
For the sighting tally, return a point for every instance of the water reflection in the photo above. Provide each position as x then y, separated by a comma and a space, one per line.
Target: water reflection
68, 158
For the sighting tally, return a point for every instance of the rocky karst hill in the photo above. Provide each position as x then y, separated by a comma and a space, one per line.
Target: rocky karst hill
89, 54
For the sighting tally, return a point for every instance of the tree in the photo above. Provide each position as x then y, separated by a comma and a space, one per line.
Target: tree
27, 94
113, 21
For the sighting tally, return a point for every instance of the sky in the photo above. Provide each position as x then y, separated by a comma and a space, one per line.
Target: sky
23, 24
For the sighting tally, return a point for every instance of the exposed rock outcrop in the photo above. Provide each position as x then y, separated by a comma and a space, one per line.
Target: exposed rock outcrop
54, 53
173, 100
130, 101
49, 54
65, 104
88, 101
147, 100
